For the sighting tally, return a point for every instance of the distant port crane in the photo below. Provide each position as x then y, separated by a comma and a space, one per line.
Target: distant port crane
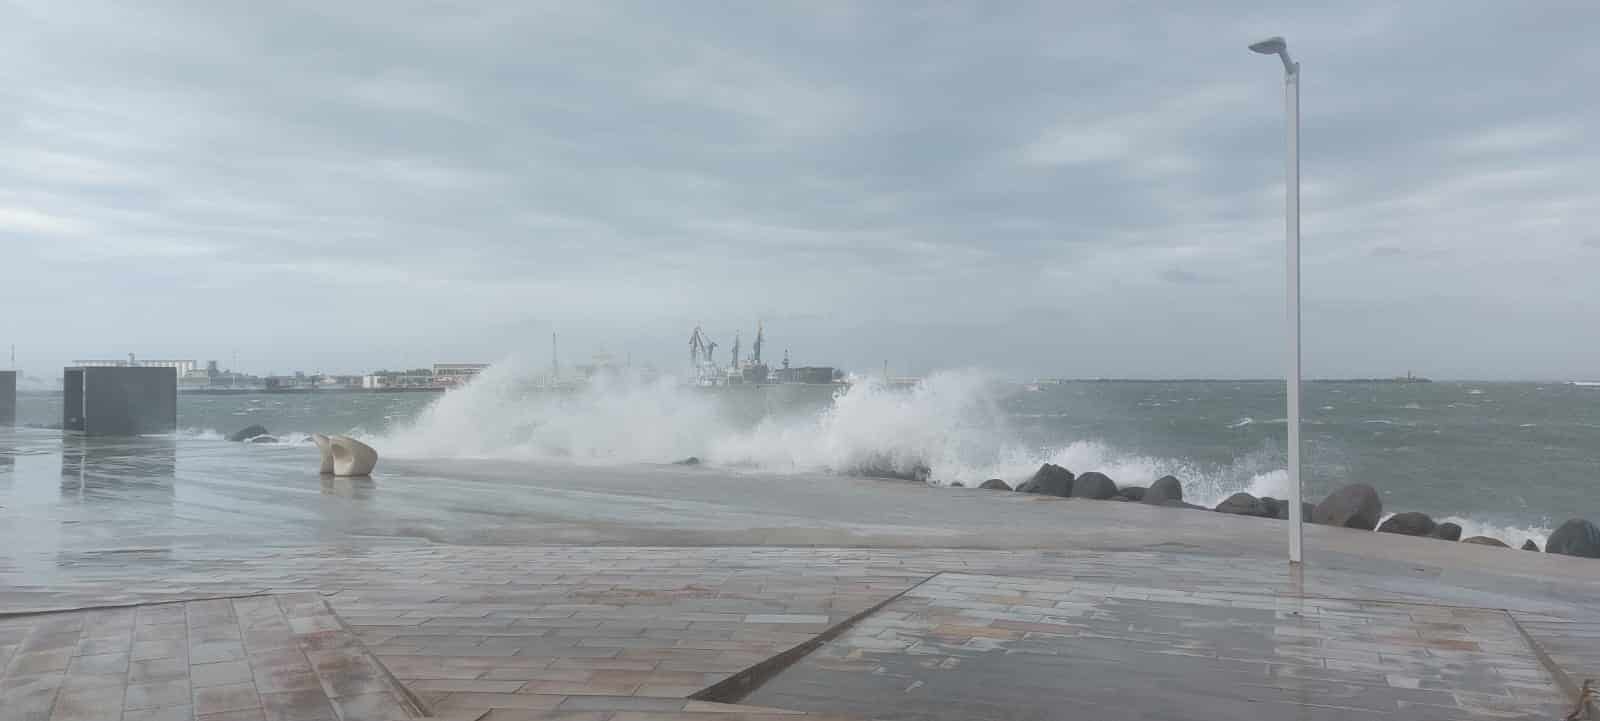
701, 352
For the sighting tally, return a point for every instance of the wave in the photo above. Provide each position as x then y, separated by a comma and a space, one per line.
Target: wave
950, 427
498, 415
199, 434
1513, 535
211, 434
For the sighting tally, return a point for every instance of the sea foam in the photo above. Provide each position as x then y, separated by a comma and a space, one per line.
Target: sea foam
950, 427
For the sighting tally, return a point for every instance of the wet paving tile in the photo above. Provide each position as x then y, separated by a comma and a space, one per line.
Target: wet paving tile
972, 647
184, 712
1158, 635
157, 694
86, 666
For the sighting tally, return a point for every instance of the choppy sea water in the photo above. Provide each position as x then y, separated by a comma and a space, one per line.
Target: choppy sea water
1506, 459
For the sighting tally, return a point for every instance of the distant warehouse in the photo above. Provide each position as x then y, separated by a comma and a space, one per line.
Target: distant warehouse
441, 376
183, 366
455, 373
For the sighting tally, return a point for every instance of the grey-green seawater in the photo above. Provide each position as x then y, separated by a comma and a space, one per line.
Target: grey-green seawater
1506, 459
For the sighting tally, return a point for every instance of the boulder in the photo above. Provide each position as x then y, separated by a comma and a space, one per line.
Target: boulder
1529, 545
1242, 504
957, 484
1093, 485
246, 433
1410, 523
1166, 488
1447, 531
1354, 506
1050, 480
1132, 493
690, 461
995, 484
1270, 506
1485, 541
1576, 537
1305, 510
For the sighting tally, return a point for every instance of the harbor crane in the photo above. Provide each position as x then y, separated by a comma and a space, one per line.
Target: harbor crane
701, 348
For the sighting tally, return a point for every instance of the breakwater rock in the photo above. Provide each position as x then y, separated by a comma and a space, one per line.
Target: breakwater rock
1410, 523
246, 433
1094, 485
1576, 537
1244, 504
1166, 488
1050, 480
1355, 506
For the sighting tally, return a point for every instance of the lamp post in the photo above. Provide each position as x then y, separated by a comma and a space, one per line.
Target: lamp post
1291, 99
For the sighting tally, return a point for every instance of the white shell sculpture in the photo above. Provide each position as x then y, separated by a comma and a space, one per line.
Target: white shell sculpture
326, 446
345, 456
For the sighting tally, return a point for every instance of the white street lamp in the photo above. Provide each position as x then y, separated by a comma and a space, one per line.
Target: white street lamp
1291, 98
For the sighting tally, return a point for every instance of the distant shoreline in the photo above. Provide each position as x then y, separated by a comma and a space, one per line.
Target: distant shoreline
1040, 382
264, 391
1396, 381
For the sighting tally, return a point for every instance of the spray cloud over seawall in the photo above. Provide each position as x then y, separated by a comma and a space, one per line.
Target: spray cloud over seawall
950, 427
501, 414
954, 426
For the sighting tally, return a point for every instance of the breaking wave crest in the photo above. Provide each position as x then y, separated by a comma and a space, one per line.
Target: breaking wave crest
950, 427
1513, 535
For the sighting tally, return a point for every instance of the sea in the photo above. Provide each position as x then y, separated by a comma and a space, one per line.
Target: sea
1506, 459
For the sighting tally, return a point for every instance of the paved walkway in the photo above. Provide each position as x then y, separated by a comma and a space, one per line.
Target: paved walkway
631, 633
440, 587
279, 657
998, 647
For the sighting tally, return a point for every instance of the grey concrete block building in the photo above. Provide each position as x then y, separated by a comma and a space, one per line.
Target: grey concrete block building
8, 398
119, 401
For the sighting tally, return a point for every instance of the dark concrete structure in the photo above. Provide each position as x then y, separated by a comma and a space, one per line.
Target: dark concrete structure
115, 401
8, 398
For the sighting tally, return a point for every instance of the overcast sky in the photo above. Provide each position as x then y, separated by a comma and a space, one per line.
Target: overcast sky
1039, 189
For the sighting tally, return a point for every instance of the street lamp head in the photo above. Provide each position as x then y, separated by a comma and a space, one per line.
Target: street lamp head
1270, 46
1276, 46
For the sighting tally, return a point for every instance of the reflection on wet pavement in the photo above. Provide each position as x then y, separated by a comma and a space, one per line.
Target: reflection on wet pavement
996, 647
135, 470
280, 657
588, 587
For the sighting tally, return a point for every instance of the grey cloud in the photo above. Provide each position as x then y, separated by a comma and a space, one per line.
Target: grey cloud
864, 175
1179, 275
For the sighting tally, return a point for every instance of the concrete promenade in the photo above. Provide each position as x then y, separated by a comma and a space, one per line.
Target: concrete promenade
230, 583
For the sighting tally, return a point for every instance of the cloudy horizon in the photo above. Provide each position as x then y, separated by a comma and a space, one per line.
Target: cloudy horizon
1043, 189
